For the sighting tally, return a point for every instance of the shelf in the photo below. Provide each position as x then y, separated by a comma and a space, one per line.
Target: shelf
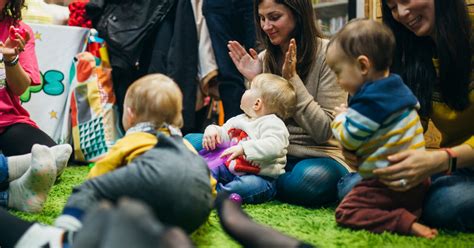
330, 4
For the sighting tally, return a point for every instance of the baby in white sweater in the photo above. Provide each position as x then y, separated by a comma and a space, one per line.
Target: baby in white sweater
258, 139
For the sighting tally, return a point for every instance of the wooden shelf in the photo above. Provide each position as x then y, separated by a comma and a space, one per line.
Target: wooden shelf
330, 4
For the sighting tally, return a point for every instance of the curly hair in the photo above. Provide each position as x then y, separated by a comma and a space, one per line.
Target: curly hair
13, 9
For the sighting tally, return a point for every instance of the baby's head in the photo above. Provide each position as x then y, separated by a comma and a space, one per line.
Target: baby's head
361, 51
154, 98
269, 94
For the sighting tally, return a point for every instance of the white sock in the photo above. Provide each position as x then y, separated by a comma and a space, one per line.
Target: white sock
29, 192
61, 156
41, 236
18, 165
68, 222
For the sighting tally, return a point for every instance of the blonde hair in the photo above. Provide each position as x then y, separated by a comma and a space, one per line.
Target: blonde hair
278, 95
155, 98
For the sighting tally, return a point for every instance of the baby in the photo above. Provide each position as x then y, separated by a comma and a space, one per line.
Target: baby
258, 140
381, 120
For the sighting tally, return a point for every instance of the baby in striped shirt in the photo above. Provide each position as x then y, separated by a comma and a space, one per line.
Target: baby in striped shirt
380, 120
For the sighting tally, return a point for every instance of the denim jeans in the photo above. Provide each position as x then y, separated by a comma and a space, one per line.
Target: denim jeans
310, 182
449, 202
252, 188
3, 181
229, 20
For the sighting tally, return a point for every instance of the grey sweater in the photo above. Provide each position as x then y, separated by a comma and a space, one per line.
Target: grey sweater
310, 126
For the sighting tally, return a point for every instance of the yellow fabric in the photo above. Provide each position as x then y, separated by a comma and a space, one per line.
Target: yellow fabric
456, 127
128, 148
123, 152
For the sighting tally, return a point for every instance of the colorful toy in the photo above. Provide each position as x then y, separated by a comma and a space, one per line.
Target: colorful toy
21, 31
236, 198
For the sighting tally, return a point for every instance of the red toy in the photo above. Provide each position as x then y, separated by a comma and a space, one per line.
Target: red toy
21, 31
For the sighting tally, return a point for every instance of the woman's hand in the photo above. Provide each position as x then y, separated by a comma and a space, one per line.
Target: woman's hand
211, 138
13, 47
410, 168
248, 64
289, 66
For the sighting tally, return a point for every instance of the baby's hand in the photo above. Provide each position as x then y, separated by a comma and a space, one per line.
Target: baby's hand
211, 138
341, 109
234, 152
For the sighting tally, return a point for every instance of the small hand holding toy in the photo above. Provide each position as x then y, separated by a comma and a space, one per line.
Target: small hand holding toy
19, 30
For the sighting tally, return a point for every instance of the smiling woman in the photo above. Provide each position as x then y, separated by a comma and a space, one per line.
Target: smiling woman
434, 56
294, 48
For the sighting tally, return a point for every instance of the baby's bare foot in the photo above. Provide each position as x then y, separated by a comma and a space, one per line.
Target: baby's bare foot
420, 230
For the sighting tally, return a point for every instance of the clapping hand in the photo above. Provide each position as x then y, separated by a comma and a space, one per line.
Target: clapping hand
248, 64
289, 66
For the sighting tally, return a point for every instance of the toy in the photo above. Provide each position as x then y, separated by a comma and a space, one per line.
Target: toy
236, 198
21, 31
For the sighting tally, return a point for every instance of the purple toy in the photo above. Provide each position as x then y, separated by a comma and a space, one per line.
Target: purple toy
236, 198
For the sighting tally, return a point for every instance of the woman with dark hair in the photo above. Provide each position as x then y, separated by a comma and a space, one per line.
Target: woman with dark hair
19, 70
314, 163
434, 57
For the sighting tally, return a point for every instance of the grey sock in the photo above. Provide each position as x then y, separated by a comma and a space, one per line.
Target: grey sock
61, 155
18, 165
29, 192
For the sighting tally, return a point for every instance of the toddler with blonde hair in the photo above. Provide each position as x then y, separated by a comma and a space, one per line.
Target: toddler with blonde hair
152, 103
258, 140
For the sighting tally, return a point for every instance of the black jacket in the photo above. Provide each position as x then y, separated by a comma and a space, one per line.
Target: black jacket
158, 35
125, 24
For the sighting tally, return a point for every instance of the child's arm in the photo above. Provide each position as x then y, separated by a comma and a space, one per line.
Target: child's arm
272, 143
351, 128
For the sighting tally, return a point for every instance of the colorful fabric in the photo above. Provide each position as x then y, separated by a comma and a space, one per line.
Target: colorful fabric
381, 120
10, 108
93, 117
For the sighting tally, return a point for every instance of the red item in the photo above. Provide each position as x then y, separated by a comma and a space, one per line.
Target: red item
240, 165
374, 207
77, 15
21, 31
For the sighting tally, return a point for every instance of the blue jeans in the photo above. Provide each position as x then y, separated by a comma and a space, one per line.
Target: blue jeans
310, 182
252, 188
449, 202
3, 180
229, 20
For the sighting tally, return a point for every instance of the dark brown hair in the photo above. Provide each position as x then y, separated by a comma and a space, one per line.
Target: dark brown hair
13, 9
369, 38
452, 45
305, 33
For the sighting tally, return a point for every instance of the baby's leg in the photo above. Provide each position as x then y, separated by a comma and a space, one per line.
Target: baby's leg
375, 208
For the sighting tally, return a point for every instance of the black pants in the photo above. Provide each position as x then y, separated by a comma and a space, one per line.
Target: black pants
18, 139
11, 228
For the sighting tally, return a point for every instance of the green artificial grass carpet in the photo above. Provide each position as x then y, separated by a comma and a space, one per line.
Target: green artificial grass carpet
316, 226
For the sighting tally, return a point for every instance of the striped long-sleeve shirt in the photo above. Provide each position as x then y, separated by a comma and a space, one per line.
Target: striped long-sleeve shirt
381, 120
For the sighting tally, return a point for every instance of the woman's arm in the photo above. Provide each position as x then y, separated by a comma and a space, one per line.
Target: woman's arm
416, 165
25, 72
